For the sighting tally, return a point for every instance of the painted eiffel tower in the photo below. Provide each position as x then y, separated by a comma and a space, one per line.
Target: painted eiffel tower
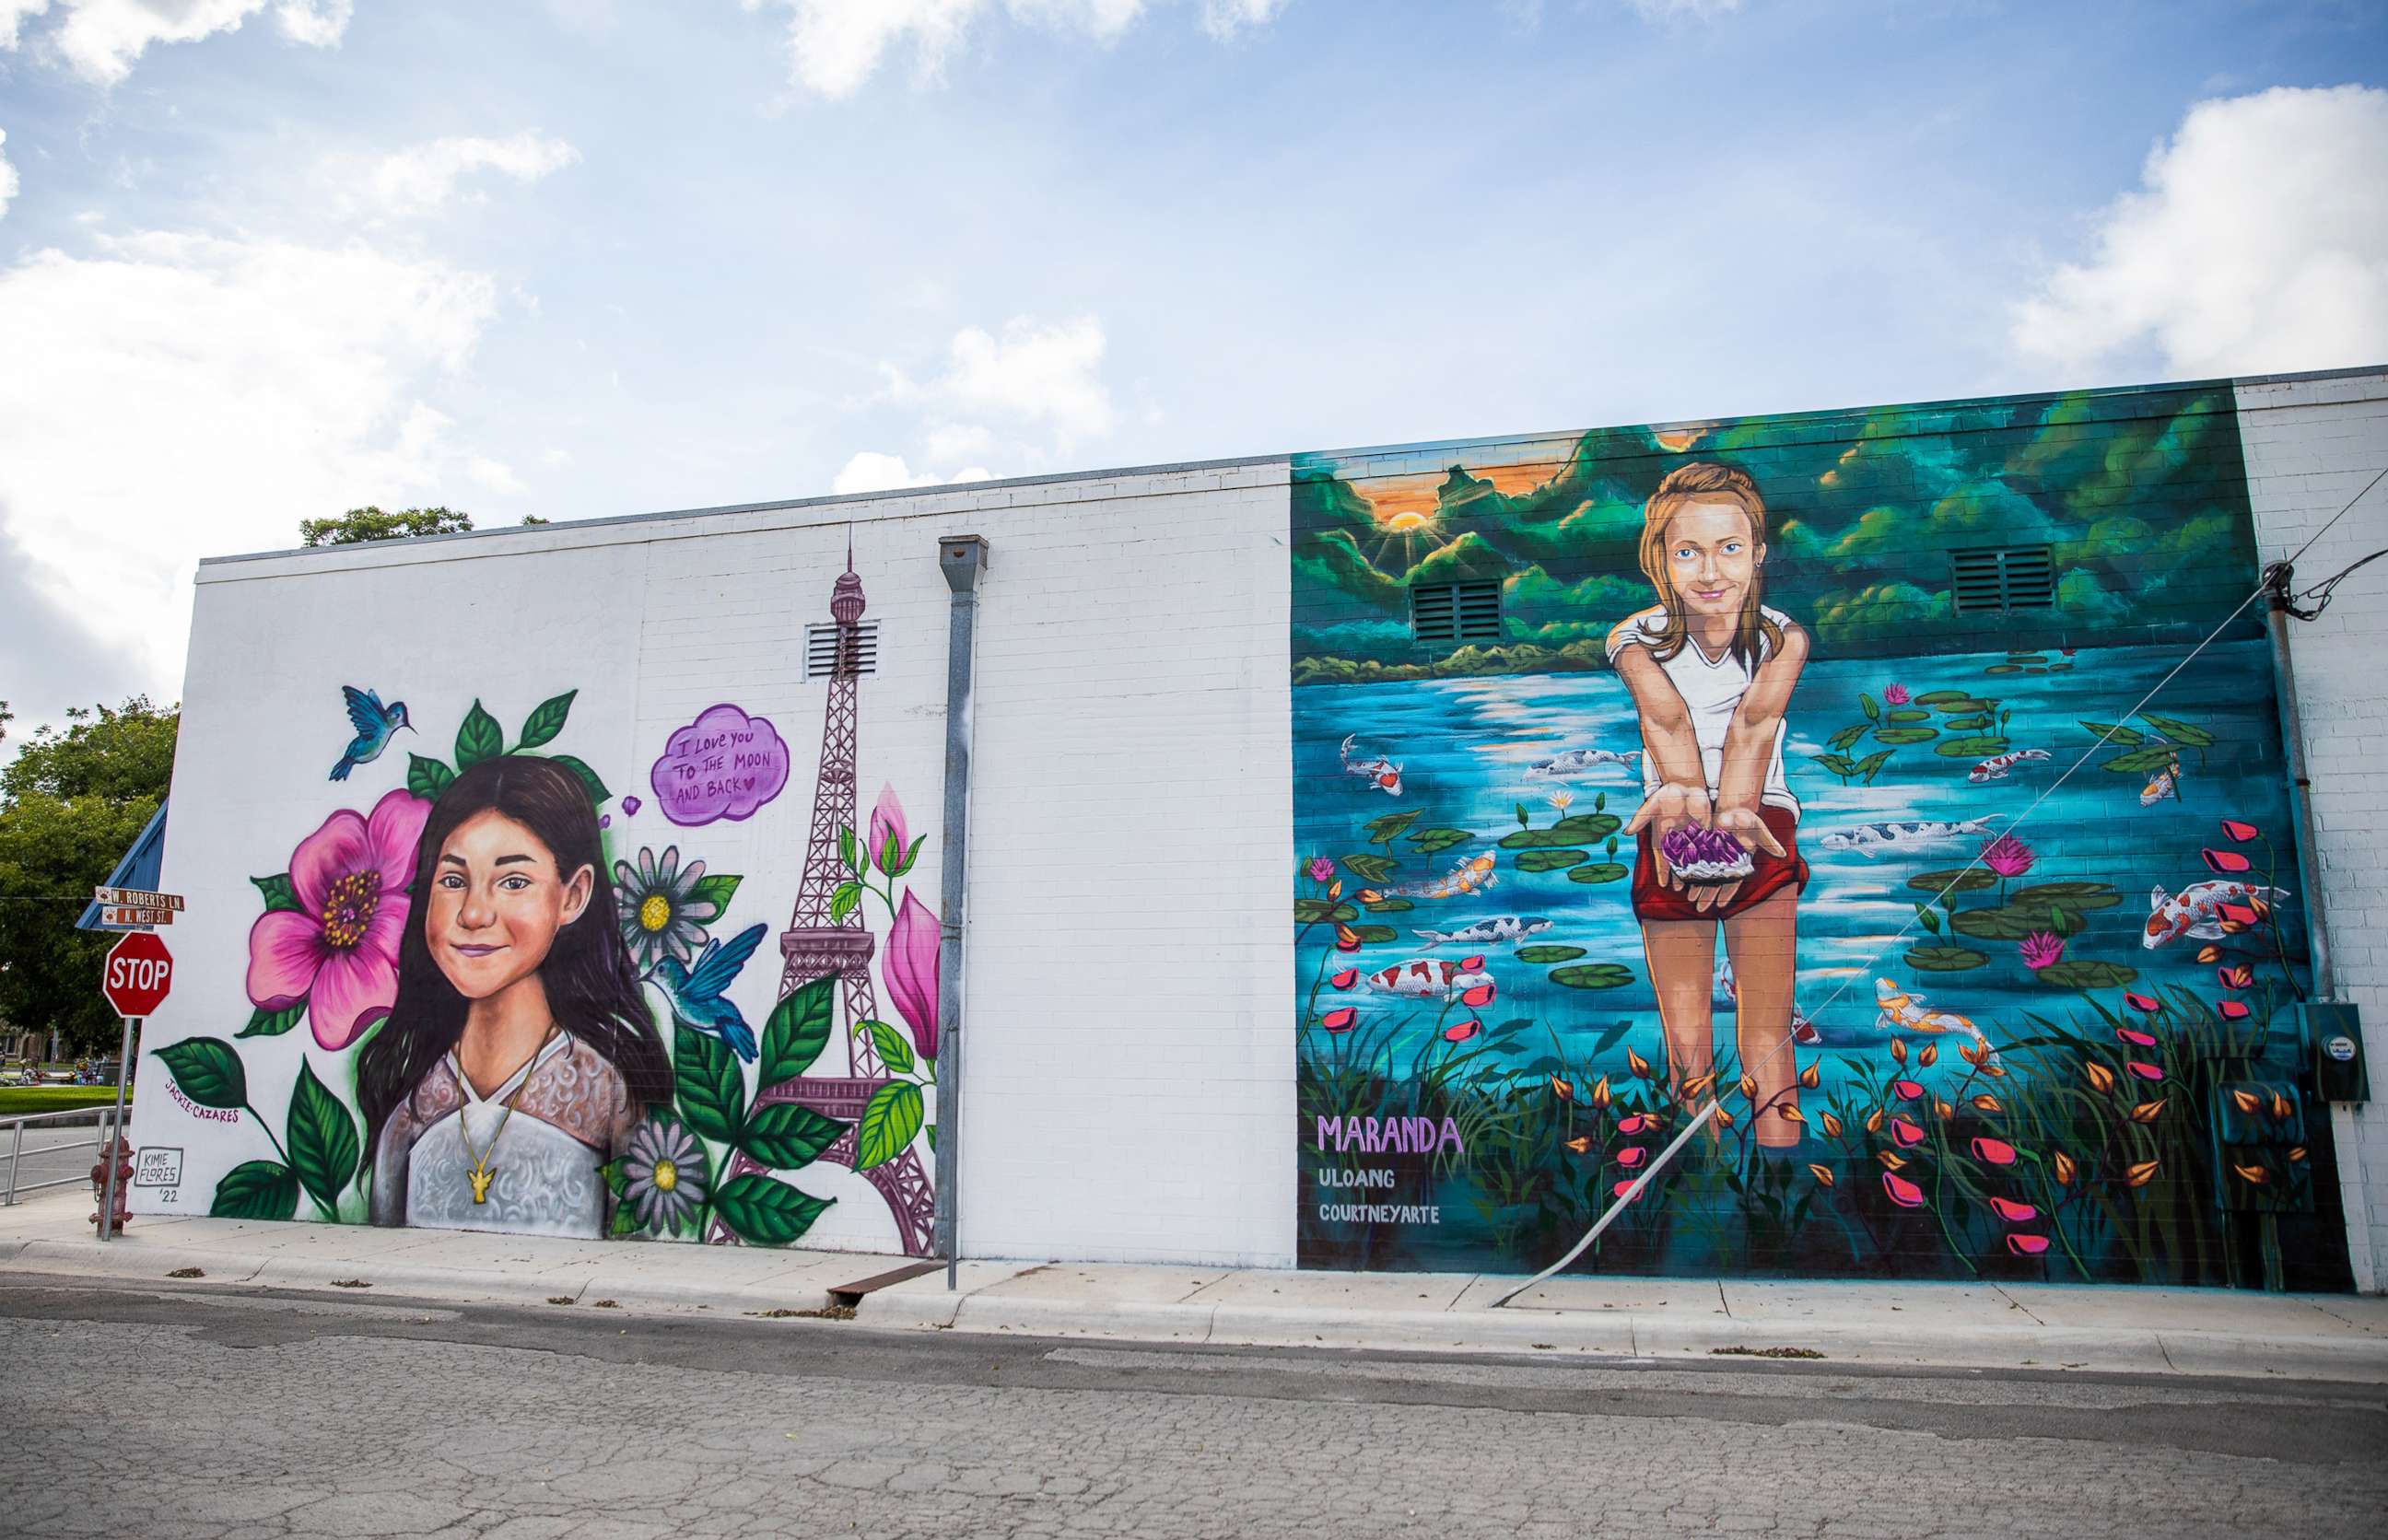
814, 945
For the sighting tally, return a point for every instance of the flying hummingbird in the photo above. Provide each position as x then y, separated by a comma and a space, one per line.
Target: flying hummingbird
374, 723
695, 994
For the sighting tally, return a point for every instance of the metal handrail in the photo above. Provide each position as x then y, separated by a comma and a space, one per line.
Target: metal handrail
16, 1125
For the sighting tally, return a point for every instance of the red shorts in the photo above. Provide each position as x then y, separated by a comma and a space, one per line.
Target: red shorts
1769, 875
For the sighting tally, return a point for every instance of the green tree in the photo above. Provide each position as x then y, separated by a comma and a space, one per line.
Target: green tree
359, 524
70, 805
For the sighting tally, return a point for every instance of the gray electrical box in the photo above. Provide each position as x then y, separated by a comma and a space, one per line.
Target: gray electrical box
2336, 1032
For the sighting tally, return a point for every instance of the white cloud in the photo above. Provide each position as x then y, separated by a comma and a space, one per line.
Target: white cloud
2257, 242
835, 45
1037, 373
198, 395
873, 471
1683, 10
419, 179
7, 176
102, 39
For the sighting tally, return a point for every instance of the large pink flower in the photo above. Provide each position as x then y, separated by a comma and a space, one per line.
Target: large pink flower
890, 837
912, 969
2008, 856
339, 950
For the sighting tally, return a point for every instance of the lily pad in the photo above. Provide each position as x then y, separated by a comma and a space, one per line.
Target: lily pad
1549, 861
2009, 922
1588, 826
1536, 840
1905, 735
1310, 911
1952, 700
1969, 879
2087, 973
1592, 976
1390, 906
2027, 657
1597, 871
1434, 841
1971, 748
2066, 895
2003, 668
1549, 953
1944, 959
1907, 713
1375, 932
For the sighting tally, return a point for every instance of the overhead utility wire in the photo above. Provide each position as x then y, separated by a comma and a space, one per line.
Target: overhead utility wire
1716, 1101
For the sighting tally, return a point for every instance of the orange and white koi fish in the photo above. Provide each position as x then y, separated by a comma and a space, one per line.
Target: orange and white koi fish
2165, 784
1380, 772
1433, 978
2196, 910
1465, 878
1900, 1011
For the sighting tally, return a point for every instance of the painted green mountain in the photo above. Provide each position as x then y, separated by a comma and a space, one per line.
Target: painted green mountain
2140, 495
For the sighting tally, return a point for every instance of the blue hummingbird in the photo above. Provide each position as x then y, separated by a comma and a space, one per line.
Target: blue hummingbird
374, 723
695, 994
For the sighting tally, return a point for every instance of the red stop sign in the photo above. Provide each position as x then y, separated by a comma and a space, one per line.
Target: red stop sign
140, 970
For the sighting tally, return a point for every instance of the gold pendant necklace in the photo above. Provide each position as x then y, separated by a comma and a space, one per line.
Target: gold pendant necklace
481, 1173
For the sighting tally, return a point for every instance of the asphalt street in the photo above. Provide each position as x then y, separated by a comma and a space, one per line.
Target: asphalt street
204, 1414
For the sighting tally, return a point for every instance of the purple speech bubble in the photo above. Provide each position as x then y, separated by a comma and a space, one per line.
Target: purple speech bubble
725, 764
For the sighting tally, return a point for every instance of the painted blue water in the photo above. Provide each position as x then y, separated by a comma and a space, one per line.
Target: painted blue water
1465, 746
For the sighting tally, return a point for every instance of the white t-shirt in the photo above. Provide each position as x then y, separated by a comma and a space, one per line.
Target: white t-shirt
1712, 691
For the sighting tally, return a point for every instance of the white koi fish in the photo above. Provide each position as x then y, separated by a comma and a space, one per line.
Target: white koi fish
2196, 910
1380, 772
1995, 768
1501, 928
1866, 838
2166, 784
1433, 978
1900, 1011
1575, 761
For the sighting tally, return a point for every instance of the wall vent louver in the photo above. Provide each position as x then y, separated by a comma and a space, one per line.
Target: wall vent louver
1455, 614
820, 650
1995, 580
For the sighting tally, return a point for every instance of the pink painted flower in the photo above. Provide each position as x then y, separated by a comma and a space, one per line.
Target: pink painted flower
911, 972
2026, 1245
2008, 856
2229, 863
1996, 1152
1339, 1021
1905, 1134
339, 950
2137, 1040
1619, 1190
1460, 1031
2240, 977
2237, 831
1903, 1192
2013, 1212
1636, 1123
1894, 695
2142, 1003
1630, 1155
1350, 976
1907, 1091
1321, 868
2041, 949
1476, 999
2240, 916
890, 836
2232, 1010
2144, 1070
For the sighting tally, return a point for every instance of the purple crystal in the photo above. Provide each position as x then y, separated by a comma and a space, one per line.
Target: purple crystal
1704, 855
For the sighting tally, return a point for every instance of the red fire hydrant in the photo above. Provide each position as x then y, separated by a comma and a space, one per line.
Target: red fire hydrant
123, 1183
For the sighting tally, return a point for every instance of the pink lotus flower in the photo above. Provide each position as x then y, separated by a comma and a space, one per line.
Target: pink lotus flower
2026, 1245
911, 972
339, 950
2229, 863
2142, 1003
2008, 856
1478, 998
2137, 1040
2239, 915
1630, 1155
2144, 1070
1894, 695
1635, 1124
1461, 1031
1998, 1152
1339, 1021
1620, 1189
1346, 979
1905, 1134
1907, 1091
2013, 1212
2041, 949
1321, 868
2237, 831
890, 837
2232, 1010
1903, 1192
2240, 977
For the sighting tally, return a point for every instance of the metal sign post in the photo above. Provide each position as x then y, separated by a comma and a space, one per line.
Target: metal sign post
112, 1150
139, 973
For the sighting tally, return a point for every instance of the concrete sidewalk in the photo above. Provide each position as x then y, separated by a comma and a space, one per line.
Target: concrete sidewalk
1964, 1325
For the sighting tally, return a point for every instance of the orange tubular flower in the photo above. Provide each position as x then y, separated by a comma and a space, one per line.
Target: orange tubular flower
1811, 1078
1874, 1124
1927, 1055
1889, 1160
1899, 1050
2101, 1079
2064, 1169
1748, 1089
1637, 1064
1822, 1174
1985, 1102
1600, 1093
2141, 1174
1832, 1125
2146, 1111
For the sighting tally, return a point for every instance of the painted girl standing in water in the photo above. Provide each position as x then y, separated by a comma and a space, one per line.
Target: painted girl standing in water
1712, 671
520, 1052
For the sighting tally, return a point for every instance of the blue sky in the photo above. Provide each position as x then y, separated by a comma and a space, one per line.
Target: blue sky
266, 260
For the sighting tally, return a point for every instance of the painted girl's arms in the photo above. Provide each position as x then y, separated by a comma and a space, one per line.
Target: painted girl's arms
1749, 741
1668, 739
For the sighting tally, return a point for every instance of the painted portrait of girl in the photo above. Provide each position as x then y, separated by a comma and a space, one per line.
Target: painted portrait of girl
520, 1052
1712, 669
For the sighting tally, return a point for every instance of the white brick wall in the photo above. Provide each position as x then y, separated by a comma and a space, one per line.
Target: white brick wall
2311, 445
1130, 1077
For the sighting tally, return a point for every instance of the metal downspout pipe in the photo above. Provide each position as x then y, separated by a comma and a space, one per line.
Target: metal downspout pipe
962, 558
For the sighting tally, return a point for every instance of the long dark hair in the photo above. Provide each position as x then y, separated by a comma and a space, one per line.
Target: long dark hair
591, 984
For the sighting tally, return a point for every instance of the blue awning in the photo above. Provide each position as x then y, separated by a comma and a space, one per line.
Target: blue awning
141, 868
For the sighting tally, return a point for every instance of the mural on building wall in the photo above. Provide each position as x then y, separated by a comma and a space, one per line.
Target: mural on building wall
522, 1015
1751, 799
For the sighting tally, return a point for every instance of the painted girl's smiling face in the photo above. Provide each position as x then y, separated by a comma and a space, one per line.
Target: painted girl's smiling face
497, 902
1711, 557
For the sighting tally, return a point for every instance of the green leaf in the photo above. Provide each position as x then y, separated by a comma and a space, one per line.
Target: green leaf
1948, 700
2087, 973
428, 778
1944, 959
1872, 765
277, 890
209, 1071
712, 1091
1847, 737
766, 1211
590, 781
1379, 831
1388, 906
1592, 976
889, 1123
546, 720
1434, 841
1541, 956
255, 1190
1611, 846
480, 737
2178, 731
1596, 871
323, 1141
797, 1031
1968, 879
1600, 802
931, 1131
910, 855
843, 902
2070, 895
1837, 763
1898, 736
1312, 911
1587, 827
1978, 747
849, 851
1372, 933
2141, 761
1549, 861
887, 858
263, 1023
1907, 713
1926, 918
1522, 819
893, 1051
716, 889
1369, 868
2009, 922
1541, 840
784, 1136
1865, 704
